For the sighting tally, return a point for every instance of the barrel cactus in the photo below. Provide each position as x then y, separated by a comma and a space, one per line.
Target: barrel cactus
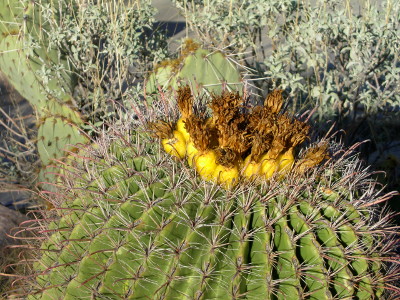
133, 220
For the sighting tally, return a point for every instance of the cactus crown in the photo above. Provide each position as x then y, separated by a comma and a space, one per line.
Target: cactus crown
240, 131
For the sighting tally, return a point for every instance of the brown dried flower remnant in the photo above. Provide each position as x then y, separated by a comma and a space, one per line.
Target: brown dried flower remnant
185, 105
274, 101
311, 158
185, 101
189, 46
237, 142
199, 131
226, 108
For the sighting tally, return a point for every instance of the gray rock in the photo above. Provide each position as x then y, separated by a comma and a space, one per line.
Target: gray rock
9, 221
16, 200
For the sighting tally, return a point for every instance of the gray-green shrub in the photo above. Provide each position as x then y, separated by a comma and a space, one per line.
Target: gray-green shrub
111, 45
339, 56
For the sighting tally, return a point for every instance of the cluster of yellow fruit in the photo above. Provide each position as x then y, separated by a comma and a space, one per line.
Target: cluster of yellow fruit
236, 141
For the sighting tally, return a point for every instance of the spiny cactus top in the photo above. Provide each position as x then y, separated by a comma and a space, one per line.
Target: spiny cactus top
132, 221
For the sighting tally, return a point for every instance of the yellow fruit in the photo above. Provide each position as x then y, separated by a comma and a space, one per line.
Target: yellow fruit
285, 161
191, 151
250, 168
206, 163
176, 145
180, 126
225, 176
268, 166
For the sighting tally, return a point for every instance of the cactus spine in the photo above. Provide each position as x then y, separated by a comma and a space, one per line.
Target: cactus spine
134, 222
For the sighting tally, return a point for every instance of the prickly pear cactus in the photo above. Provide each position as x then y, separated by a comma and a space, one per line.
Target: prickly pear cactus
53, 137
201, 69
24, 50
135, 221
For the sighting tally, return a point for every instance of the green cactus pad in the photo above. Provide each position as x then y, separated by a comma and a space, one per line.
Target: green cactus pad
24, 50
133, 223
162, 77
10, 15
20, 60
211, 71
13, 64
56, 135
202, 70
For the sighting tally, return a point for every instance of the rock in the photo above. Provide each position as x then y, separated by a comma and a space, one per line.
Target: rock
9, 221
15, 199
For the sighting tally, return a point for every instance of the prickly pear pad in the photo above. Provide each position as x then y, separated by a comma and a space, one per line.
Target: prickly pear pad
204, 70
132, 222
25, 51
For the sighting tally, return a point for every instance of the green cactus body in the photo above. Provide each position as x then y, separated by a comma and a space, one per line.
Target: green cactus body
137, 224
201, 69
